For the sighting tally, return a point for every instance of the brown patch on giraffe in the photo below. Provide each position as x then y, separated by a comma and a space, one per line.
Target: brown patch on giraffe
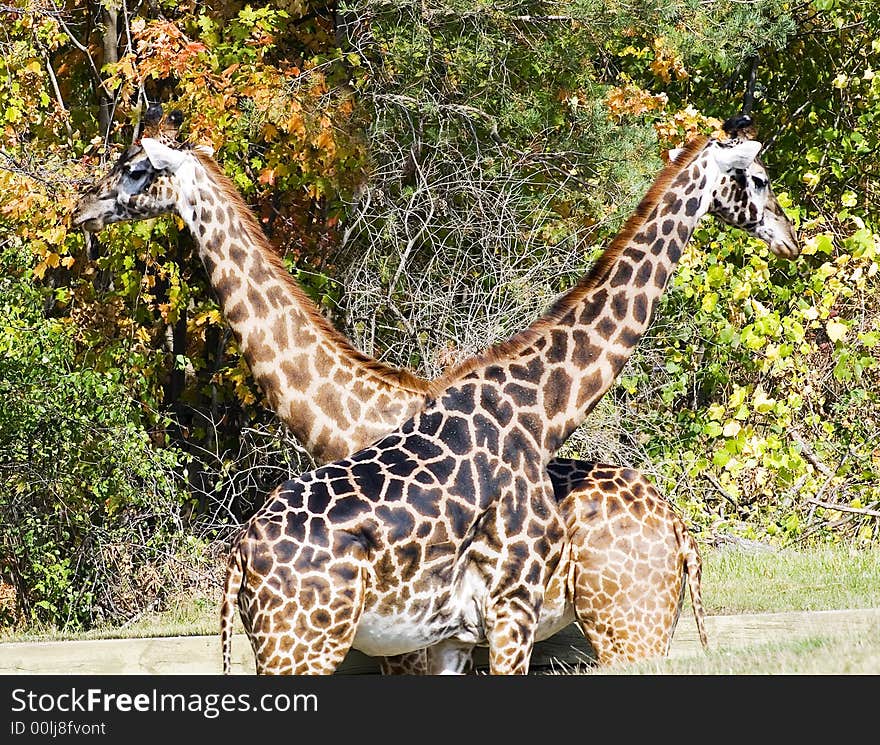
585, 352
238, 256
557, 391
227, 285
605, 327
277, 296
297, 373
409, 558
353, 410
258, 351
684, 233
531, 423
622, 276
620, 304
210, 265
640, 309
279, 332
558, 350
256, 298
648, 236
521, 395
661, 276
320, 618
259, 270
271, 383
643, 276
553, 438
286, 643
588, 387
628, 338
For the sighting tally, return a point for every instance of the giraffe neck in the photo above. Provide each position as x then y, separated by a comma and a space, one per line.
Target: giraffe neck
559, 368
332, 397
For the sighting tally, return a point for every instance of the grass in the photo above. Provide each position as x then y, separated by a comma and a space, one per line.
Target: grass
835, 652
790, 580
734, 582
186, 616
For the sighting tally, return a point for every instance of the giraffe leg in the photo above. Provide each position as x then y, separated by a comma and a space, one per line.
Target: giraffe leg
510, 631
411, 663
306, 628
449, 658
527, 536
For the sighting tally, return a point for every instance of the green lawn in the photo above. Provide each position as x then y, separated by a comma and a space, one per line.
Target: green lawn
763, 581
831, 653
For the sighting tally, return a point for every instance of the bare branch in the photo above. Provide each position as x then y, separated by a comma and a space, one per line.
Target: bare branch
808, 453
844, 507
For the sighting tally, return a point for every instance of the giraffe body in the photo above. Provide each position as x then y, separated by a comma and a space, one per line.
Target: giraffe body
126, 201
632, 560
503, 417
402, 546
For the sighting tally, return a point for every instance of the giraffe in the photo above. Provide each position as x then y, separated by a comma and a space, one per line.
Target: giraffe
131, 191
666, 587
443, 533
331, 396
629, 557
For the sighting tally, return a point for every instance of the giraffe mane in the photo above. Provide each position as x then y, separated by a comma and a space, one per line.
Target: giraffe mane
598, 272
394, 376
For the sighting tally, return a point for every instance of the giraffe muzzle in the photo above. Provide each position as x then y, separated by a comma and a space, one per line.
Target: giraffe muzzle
89, 216
786, 246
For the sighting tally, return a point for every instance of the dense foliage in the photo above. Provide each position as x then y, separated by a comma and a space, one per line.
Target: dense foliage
433, 173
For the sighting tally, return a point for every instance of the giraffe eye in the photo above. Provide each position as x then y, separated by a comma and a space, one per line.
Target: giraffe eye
759, 182
138, 169
137, 174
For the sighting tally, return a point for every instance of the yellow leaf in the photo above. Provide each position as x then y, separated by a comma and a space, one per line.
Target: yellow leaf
54, 235
836, 330
731, 429
761, 402
40, 270
742, 291
52, 259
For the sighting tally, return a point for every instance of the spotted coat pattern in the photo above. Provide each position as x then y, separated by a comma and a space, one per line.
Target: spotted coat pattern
518, 387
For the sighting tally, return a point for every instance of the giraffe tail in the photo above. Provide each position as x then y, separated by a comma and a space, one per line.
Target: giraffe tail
231, 587
694, 571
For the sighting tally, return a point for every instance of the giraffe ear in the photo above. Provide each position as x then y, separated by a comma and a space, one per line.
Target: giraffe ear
739, 156
162, 157
204, 150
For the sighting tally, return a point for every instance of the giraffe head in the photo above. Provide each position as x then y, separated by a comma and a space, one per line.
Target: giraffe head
742, 195
145, 182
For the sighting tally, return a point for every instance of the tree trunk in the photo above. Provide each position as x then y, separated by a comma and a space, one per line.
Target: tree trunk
110, 38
